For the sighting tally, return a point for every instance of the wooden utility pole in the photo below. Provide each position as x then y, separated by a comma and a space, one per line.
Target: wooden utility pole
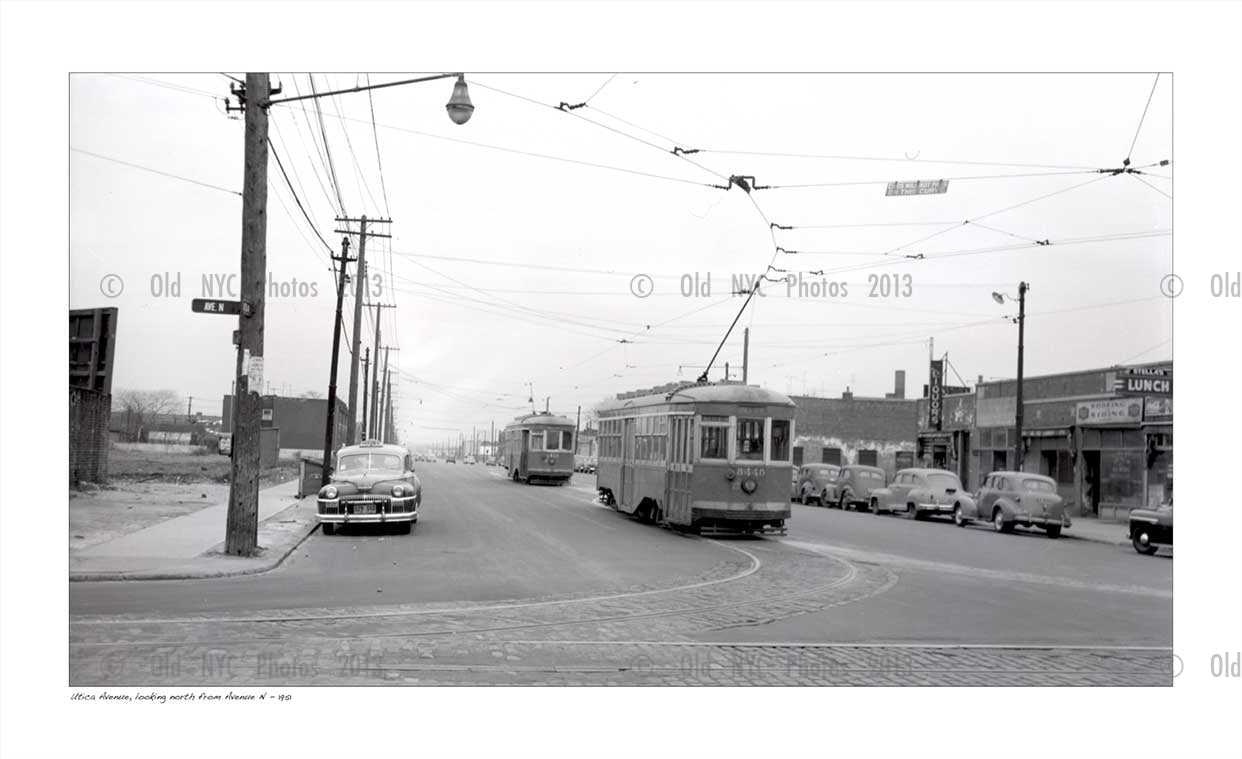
381, 407
330, 426
745, 355
242, 525
371, 426
1019, 448
359, 293
366, 361
189, 409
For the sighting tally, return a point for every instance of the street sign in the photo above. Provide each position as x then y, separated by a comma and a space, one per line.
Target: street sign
918, 187
213, 306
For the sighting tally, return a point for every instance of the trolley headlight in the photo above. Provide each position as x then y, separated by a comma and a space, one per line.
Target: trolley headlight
328, 493
398, 491
749, 486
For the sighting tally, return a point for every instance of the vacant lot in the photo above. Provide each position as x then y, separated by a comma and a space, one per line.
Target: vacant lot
182, 464
99, 516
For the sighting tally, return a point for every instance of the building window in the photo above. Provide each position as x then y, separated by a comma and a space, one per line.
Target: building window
830, 456
797, 455
904, 460
750, 439
867, 457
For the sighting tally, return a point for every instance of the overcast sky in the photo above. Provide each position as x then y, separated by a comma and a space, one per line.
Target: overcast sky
509, 267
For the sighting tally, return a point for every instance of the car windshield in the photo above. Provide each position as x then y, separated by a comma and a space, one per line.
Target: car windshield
863, 474
1038, 486
825, 473
944, 482
361, 462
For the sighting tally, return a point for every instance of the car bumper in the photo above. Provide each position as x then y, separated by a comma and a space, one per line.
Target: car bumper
397, 510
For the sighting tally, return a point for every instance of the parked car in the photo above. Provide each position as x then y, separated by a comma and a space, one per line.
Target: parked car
468, 460
919, 492
372, 483
854, 485
817, 483
450, 459
1152, 528
491, 461
1007, 499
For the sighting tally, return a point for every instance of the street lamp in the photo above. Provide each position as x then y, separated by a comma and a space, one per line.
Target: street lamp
1000, 298
459, 106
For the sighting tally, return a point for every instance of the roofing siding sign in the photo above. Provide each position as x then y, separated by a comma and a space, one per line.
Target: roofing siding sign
1110, 411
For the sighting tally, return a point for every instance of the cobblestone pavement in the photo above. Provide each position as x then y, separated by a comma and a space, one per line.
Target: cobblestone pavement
639, 636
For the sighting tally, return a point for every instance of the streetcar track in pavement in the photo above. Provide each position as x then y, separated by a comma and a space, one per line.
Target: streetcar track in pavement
755, 565
850, 574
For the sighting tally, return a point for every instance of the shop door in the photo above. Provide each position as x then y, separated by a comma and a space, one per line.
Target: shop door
1091, 481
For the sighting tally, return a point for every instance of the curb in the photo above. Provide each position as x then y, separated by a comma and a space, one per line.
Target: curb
272, 556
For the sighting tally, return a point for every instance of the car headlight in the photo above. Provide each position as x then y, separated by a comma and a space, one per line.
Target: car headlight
398, 491
328, 493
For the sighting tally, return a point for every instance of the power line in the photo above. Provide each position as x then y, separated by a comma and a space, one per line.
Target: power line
1152, 186
357, 164
601, 88
1141, 118
378, 162
155, 171
296, 199
336, 185
865, 182
903, 159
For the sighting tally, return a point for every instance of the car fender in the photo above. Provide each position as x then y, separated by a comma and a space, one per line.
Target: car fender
966, 503
883, 496
1006, 507
919, 495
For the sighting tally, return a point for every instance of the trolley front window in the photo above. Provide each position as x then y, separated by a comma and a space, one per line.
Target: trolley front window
715, 437
780, 440
558, 440
750, 439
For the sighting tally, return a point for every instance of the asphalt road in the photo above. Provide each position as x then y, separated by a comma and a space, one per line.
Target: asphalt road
508, 583
479, 537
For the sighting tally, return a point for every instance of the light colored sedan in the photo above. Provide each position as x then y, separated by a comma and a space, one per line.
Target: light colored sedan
920, 492
1007, 499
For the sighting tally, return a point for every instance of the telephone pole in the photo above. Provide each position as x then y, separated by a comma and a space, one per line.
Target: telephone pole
745, 355
381, 407
189, 409
242, 525
330, 426
359, 291
366, 361
372, 428
1019, 448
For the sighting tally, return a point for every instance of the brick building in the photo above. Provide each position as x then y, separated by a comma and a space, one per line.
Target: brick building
879, 432
92, 346
1105, 435
89, 411
298, 422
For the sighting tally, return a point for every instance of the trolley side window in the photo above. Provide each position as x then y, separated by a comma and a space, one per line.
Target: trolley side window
715, 437
750, 439
536, 441
780, 440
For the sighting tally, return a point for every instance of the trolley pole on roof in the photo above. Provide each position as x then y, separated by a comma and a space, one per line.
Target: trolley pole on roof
745, 355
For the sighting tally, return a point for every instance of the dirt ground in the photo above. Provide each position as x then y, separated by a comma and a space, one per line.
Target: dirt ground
99, 516
148, 485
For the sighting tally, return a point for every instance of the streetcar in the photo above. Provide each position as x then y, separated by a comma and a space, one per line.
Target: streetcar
538, 447
703, 457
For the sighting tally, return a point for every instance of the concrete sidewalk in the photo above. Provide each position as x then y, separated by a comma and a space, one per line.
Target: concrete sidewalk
1098, 531
191, 546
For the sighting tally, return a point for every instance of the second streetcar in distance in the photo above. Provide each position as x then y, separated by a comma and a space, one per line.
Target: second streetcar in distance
699, 457
539, 448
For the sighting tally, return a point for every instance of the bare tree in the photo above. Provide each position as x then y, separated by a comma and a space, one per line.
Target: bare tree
142, 407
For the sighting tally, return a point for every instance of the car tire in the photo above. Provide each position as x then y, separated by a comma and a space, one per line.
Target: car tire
1146, 550
874, 507
806, 498
842, 503
328, 528
1053, 530
403, 528
958, 519
913, 511
998, 522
